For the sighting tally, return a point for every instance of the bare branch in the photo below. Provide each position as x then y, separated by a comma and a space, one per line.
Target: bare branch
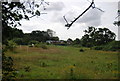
69, 25
100, 9
65, 19
91, 5
117, 16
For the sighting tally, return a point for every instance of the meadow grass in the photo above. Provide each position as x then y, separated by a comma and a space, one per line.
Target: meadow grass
64, 62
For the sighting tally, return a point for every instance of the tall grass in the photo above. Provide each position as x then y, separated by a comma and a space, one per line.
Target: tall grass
65, 62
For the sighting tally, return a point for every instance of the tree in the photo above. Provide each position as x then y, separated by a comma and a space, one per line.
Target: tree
19, 41
100, 36
13, 12
40, 36
86, 41
51, 32
69, 41
54, 38
11, 45
76, 41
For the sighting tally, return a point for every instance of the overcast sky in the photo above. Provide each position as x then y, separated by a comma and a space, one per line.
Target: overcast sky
71, 9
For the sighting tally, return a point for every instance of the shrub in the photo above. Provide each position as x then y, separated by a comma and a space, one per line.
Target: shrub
81, 50
112, 46
48, 43
98, 47
27, 69
37, 45
43, 64
11, 45
30, 45
41, 45
19, 41
8, 71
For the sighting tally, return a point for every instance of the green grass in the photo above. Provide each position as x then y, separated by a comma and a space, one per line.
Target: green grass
56, 62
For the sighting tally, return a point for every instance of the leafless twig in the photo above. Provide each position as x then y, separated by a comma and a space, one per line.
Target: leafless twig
91, 5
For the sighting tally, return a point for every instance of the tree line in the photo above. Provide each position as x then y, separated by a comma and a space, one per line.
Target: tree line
21, 38
94, 37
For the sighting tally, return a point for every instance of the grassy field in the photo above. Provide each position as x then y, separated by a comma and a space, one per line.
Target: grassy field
64, 62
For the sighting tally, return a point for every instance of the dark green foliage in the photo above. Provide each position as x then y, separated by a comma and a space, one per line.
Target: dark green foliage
11, 45
86, 41
81, 50
13, 12
43, 64
43, 46
76, 41
8, 71
40, 36
95, 37
71, 73
98, 47
19, 41
27, 68
34, 37
112, 46
10, 33
26, 38
10, 18
54, 38
16, 11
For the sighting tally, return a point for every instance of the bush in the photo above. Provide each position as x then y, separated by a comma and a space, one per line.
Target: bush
11, 45
41, 45
112, 46
19, 41
8, 71
43, 64
81, 50
27, 68
98, 47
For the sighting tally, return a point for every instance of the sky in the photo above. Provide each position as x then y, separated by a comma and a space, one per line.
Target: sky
71, 9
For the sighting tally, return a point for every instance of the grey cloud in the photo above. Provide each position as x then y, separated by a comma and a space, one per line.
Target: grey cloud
55, 6
57, 17
92, 17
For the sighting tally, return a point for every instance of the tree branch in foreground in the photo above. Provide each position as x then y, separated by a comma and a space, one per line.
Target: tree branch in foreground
91, 5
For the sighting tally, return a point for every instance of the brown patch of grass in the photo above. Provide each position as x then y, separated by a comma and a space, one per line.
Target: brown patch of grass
50, 50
